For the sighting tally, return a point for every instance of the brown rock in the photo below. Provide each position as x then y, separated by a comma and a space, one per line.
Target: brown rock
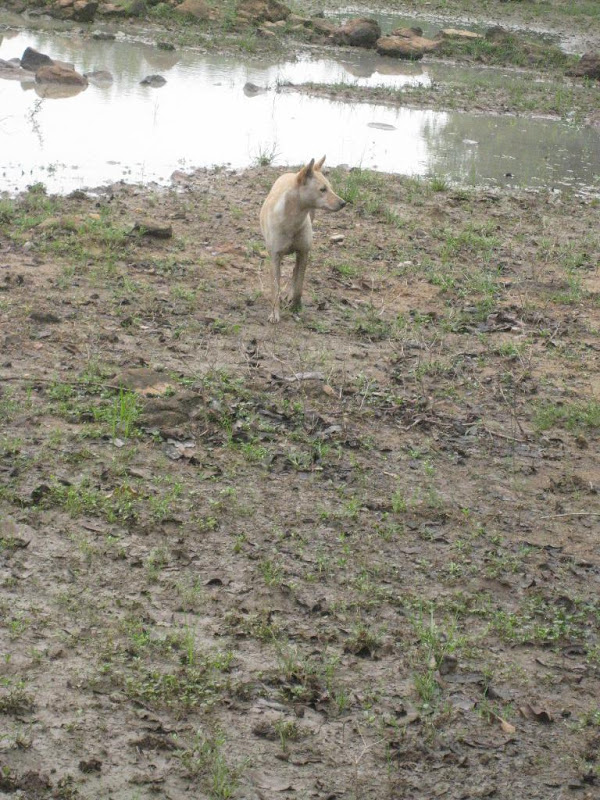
497, 34
405, 47
84, 10
322, 26
153, 229
112, 10
457, 33
408, 33
56, 73
194, 8
258, 11
588, 67
361, 32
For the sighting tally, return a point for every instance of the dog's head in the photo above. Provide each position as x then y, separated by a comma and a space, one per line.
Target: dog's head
315, 189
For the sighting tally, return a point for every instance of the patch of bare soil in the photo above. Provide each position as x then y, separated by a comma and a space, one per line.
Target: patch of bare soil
352, 555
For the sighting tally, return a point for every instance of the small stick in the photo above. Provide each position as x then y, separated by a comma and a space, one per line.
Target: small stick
503, 435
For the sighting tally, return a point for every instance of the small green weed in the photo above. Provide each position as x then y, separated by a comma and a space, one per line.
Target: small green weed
14, 697
122, 414
204, 759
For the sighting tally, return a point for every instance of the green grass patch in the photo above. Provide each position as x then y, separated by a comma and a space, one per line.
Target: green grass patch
546, 621
361, 187
203, 758
508, 49
14, 697
571, 416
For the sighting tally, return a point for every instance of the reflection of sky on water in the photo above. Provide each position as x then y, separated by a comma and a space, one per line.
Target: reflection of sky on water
202, 117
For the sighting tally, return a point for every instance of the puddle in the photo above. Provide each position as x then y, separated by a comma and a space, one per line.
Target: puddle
203, 117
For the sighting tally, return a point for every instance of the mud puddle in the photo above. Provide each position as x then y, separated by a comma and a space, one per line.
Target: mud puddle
206, 114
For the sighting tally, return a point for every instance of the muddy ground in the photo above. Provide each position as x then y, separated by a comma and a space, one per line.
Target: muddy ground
353, 555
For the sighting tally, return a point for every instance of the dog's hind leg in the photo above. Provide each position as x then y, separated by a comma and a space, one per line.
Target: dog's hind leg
298, 279
275, 286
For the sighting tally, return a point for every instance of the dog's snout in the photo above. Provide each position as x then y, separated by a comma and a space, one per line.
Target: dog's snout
342, 204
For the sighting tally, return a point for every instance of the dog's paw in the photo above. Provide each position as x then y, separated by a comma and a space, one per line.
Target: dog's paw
274, 317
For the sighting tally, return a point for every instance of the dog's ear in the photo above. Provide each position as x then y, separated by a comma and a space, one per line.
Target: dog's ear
305, 173
319, 164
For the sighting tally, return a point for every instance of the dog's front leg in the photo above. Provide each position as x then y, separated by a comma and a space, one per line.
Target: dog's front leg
275, 287
298, 279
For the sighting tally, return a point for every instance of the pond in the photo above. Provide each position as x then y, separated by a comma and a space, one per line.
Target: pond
204, 115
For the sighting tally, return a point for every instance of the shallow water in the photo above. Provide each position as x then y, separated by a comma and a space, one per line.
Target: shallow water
203, 117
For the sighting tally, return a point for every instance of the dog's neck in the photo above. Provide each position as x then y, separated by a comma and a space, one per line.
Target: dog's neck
294, 206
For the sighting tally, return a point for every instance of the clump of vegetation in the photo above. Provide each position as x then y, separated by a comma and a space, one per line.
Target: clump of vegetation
501, 47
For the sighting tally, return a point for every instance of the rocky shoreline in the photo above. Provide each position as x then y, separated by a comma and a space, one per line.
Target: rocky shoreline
269, 20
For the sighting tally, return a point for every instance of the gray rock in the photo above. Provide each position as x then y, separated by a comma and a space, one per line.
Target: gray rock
84, 11
99, 78
32, 59
251, 89
11, 71
138, 8
153, 80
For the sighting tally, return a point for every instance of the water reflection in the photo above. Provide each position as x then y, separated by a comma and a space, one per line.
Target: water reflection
515, 151
56, 91
203, 117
